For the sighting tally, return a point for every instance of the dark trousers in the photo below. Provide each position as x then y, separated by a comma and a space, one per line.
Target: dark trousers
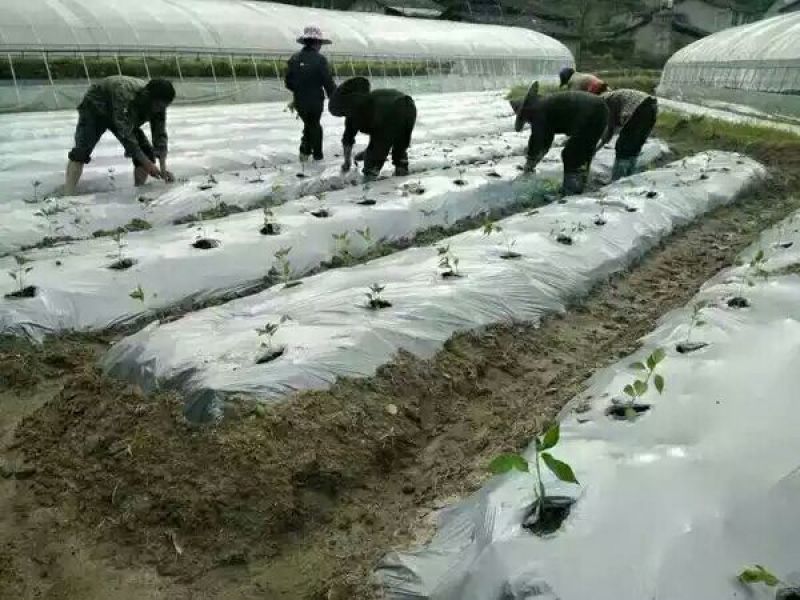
311, 142
636, 131
91, 127
580, 147
395, 137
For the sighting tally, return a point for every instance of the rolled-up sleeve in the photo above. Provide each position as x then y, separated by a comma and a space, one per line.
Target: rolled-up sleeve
158, 129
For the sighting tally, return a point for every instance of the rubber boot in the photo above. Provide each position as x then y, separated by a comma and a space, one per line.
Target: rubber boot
574, 182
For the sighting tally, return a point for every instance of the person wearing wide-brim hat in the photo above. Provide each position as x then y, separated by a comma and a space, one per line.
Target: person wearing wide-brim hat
582, 116
386, 116
308, 77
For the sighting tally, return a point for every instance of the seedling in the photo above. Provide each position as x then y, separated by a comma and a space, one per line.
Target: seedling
781, 231
269, 330
270, 227
35, 184
48, 212
321, 212
365, 235
758, 574
259, 178
564, 234
461, 173
414, 187
600, 218
755, 268
202, 241
508, 241
210, 181
112, 180
374, 299
18, 275
687, 345
342, 254
284, 267
121, 263
448, 262
632, 406
365, 199
548, 512
277, 193
138, 293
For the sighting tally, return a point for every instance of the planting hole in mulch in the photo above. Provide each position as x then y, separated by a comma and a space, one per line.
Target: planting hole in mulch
291, 284
451, 275
255, 180
626, 411
301, 176
564, 239
122, 264
738, 302
599, 221
784, 245
26, 292
703, 176
321, 213
651, 194
378, 304
494, 174
204, 186
366, 202
555, 511
270, 229
270, 355
689, 347
631, 208
460, 182
205, 243
510, 255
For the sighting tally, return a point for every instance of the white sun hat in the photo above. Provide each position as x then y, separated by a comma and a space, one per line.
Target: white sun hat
314, 34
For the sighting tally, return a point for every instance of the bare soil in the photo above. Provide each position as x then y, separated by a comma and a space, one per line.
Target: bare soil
107, 492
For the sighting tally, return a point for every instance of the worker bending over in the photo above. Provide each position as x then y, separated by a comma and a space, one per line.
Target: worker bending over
581, 82
121, 105
581, 116
308, 77
633, 114
387, 116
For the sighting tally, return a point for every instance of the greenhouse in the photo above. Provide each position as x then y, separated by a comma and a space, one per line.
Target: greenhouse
757, 65
235, 51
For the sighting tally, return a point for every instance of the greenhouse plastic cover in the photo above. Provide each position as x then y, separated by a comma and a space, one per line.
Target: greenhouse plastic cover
329, 333
78, 291
469, 126
209, 26
672, 505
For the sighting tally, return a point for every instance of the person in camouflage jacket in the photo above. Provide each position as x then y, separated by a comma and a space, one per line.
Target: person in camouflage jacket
633, 114
583, 117
121, 105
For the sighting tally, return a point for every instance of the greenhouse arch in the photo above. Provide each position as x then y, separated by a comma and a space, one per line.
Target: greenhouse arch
757, 65
235, 50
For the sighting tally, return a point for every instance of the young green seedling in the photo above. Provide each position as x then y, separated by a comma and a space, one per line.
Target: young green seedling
119, 239
138, 293
50, 208
695, 320
489, 228
755, 268
321, 211
600, 218
542, 444
19, 272
284, 267
365, 234
277, 193
758, 574
270, 227
448, 262
35, 184
258, 176
342, 247
375, 300
269, 330
462, 171
112, 180
638, 388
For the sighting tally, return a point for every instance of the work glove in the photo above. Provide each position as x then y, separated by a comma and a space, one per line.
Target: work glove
348, 158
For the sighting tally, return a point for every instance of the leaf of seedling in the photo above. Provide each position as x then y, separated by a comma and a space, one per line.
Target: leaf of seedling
442, 250
640, 387
630, 413
12, 275
658, 355
559, 468
138, 294
504, 463
628, 389
658, 381
758, 574
638, 366
377, 288
28, 269
20, 260
550, 437
757, 258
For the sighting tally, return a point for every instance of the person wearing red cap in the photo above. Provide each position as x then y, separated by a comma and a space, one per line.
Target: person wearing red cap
309, 79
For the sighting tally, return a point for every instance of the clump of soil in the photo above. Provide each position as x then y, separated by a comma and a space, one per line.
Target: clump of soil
738, 302
689, 347
599, 221
205, 243
366, 202
270, 355
460, 182
378, 304
627, 411
510, 255
451, 275
549, 519
270, 229
563, 238
29, 291
321, 213
122, 264
651, 194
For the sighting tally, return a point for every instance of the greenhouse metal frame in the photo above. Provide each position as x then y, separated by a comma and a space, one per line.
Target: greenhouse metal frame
236, 50
757, 65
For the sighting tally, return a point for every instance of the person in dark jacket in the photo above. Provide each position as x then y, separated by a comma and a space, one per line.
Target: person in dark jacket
386, 116
309, 79
582, 116
121, 105
633, 114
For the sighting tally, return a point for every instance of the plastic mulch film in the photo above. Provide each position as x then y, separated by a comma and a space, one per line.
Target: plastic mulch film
532, 267
673, 504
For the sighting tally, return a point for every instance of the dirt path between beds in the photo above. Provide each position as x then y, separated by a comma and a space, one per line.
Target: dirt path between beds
108, 493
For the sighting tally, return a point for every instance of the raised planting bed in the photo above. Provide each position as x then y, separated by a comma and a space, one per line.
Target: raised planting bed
712, 465
330, 335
